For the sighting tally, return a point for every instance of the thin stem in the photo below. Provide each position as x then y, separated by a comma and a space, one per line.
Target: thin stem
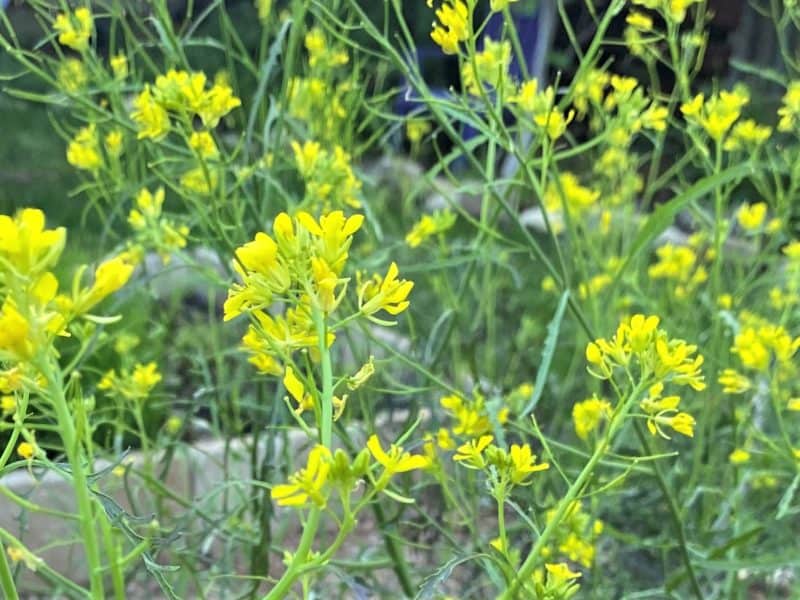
80, 484
6, 578
674, 513
525, 571
300, 563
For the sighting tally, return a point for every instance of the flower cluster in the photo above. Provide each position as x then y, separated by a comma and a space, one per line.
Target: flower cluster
789, 112
660, 359
588, 414
680, 266
131, 385
75, 28
663, 411
152, 229
302, 264
430, 225
471, 417
320, 100
718, 116
329, 177
32, 312
541, 106
575, 537
514, 466
760, 344
182, 95
453, 26
490, 68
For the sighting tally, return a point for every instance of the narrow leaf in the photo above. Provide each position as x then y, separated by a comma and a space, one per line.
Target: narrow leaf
549, 349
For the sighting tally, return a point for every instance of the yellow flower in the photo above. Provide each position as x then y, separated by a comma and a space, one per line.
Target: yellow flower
119, 66
387, 294
15, 340
694, 107
144, 378
587, 415
150, 117
444, 440
203, 144
718, 114
306, 156
739, 456
264, 9
430, 225
173, 424
747, 135
683, 423
395, 460
113, 143
416, 130
8, 404
568, 192
789, 112
200, 180
453, 25
21, 554
26, 450
523, 464
751, 216
676, 9
74, 29
794, 404
72, 75
490, 67
109, 277
306, 485
733, 382
25, 245
639, 20
471, 453
296, 389
553, 122
561, 572
751, 349
83, 152
334, 234
149, 208
217, 103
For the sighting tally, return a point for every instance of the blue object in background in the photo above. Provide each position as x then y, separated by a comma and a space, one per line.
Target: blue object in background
535, 32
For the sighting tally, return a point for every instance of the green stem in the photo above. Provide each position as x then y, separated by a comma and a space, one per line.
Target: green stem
674, 513
6, 578
526, 570
299, 564
80, 484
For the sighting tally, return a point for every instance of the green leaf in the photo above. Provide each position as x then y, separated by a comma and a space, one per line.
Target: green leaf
264, 77
428, 588
439, 335
398, 497
549, 349
664, 215
786, 499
